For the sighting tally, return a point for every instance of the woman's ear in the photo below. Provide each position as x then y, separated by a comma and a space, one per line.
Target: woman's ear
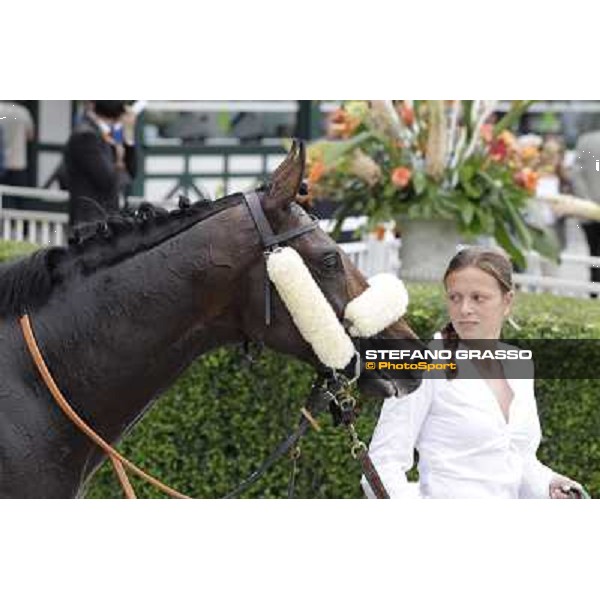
508, 301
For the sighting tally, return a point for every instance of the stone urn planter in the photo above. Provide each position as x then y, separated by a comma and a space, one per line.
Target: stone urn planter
426, 247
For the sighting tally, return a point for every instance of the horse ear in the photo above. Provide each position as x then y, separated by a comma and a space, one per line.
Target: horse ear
286, 161
287, 178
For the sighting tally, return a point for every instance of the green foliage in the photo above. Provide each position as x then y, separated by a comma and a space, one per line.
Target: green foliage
222, 418
518, 109
12, 250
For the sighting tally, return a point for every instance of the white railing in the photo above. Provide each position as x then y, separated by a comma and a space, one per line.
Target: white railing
37, 227
370, 256
42, 228
571, 278
556, 285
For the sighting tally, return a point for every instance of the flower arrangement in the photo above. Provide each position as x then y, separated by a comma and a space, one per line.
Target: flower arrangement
432, 160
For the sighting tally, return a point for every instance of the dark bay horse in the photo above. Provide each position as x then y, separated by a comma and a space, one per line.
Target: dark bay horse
127, 306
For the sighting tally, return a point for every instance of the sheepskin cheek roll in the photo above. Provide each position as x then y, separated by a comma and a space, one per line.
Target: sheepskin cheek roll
311, 312
382, 304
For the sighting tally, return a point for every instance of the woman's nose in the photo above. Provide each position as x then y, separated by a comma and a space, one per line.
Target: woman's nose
466, 307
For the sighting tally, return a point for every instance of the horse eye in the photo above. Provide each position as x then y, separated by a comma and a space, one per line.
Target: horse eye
331, 261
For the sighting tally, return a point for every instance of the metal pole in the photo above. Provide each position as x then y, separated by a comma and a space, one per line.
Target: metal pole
308, 125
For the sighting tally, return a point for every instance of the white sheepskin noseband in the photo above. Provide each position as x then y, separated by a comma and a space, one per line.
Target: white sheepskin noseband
315, 319
382, 304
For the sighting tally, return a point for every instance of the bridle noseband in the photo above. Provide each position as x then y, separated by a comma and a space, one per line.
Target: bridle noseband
271, 241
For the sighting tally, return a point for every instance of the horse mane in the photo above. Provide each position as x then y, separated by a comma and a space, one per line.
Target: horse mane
27, 283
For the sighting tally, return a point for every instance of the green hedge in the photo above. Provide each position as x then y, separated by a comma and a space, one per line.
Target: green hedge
223, 417
10, 250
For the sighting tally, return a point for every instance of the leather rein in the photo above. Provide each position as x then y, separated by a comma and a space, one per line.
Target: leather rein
331, 390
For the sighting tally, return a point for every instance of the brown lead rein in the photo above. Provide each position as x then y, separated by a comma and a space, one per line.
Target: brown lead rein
372, 476
118, 461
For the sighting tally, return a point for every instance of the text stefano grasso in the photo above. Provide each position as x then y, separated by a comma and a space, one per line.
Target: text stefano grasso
460, 354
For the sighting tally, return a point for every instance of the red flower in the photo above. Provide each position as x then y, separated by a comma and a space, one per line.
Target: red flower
401, 177
498, 150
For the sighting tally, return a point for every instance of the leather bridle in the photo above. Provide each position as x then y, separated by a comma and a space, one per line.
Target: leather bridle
271, 241
331, 389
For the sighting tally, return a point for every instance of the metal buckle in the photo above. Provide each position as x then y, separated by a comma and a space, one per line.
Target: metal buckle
272, 250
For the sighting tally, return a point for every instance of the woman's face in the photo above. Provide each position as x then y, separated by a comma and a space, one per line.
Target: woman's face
477, 305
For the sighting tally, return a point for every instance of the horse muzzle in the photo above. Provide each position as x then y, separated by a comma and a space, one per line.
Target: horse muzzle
333, 342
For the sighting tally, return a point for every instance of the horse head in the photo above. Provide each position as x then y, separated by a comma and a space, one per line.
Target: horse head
268, 320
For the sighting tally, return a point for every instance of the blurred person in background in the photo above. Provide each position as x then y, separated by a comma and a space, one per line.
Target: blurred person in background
18, 129
100, 160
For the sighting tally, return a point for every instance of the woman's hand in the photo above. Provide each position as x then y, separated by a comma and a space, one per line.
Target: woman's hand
562, 488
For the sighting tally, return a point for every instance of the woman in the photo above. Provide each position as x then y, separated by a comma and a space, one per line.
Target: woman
476, 437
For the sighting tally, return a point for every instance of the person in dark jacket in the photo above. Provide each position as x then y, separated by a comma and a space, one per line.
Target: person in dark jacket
100, 161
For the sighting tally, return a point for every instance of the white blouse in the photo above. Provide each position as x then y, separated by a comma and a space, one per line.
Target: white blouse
466, 447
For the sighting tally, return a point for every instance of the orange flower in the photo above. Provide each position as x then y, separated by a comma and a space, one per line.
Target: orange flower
407, 114
527, 178
529, 153
342, 124
316, 171
509, 139
379, 232
401, 176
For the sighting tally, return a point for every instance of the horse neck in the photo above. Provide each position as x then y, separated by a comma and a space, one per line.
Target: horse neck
118, 338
